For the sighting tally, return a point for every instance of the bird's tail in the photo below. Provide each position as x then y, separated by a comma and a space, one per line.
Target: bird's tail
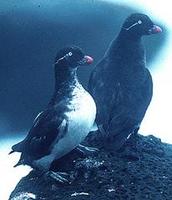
12, 151
20, 162
17, 147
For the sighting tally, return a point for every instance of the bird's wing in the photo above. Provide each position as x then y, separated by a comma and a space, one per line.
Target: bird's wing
95, 76
47, 128
92, 82
126, 114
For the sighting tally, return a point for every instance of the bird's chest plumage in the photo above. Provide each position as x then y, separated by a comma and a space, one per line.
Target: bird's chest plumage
82, 113
80, 117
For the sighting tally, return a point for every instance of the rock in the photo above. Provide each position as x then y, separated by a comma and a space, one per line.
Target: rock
24, 196
108, 175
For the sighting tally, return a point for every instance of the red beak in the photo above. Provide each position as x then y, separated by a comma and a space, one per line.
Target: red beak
155, 29
88, 59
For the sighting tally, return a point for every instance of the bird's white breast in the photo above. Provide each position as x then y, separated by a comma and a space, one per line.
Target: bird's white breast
80, 121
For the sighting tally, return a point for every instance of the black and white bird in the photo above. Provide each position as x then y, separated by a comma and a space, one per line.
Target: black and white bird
121, 84
67, 119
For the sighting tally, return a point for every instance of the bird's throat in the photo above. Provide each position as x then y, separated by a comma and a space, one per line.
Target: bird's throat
66, 76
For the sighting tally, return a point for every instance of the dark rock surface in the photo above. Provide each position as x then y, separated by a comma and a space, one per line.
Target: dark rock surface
138, 173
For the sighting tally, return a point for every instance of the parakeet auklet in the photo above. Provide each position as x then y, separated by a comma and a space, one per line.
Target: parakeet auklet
121, 84
66, 121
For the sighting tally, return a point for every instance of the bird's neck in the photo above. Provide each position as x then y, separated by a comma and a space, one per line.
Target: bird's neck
65, 82
125, 35
126, 57
65, 78
127, 47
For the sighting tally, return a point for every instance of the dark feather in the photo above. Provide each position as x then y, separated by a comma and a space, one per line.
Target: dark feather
20, 162
121, 84
45, 130
11, 152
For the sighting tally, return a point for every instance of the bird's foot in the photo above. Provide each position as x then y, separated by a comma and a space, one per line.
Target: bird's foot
87, 151
130, 149
88, 167
60, 177
130, 155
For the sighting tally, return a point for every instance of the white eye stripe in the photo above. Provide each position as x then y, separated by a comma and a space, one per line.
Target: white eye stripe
68, 55
137, 23
64, 57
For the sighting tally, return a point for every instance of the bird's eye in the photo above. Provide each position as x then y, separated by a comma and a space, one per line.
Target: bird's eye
70, 54
139, 22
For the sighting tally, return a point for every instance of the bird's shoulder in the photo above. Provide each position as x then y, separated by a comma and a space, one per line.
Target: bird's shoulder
47, 128
97, 76
47, 121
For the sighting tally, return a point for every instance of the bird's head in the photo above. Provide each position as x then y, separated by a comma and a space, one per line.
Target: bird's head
140, 24
72, 57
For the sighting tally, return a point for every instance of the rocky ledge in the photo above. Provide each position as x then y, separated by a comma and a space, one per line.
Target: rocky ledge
138, 173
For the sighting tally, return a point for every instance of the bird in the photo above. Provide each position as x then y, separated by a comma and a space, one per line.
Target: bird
67, 119
121, 83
